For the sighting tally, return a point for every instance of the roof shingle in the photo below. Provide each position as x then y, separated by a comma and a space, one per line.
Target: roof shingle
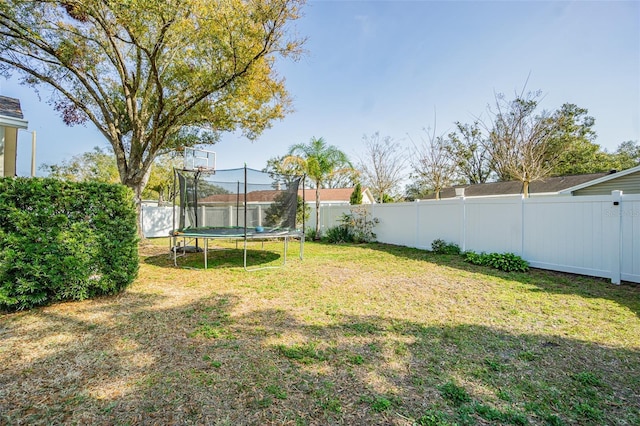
10, 107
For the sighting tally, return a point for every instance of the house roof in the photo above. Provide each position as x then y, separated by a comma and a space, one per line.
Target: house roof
607, 177
327, 195
549, 185
330, 194
11, 113
10, 107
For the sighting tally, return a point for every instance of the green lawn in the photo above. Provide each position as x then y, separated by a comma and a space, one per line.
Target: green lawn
354, 335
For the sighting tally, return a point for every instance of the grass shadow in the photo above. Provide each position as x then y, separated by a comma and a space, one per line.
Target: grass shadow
218, 258
213, 361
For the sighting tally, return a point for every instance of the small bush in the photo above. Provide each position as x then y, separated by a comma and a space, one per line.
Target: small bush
440, 246
355, 227
310, 234
507, 262
475, 258
338, 234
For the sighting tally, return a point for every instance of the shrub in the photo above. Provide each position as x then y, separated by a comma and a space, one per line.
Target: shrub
356, 195
475, 258
338, 234
310, 234
507, 262
354, 228
64, 241
440, 246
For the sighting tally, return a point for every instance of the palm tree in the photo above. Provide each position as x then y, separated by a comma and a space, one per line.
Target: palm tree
319, 162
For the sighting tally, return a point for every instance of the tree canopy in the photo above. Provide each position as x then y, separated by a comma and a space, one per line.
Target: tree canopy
154, 75
99, 165
467, 147
319, 161
382, 166
433, 166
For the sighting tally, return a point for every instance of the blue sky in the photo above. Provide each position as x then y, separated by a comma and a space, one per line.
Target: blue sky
397, 67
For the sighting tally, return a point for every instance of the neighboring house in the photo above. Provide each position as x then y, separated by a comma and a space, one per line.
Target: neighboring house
11, 120
588, 184
336, 195
627, 181
327, 196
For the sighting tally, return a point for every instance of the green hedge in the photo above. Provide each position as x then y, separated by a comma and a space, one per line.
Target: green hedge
64, 241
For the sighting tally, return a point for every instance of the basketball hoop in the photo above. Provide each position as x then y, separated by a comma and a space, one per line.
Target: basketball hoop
199, 160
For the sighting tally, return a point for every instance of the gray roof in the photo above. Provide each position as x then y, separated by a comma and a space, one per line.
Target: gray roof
10, 107
548, 185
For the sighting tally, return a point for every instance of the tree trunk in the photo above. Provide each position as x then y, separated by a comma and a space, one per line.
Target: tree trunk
137, 185
137, 197
525, 188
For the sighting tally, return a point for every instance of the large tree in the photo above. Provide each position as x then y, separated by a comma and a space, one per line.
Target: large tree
520, 140
98, 165
319, 161
573, 143
467, 147
382, 168
627, 155
153, 75
433, 167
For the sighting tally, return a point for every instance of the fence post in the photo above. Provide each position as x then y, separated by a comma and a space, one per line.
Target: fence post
417, 242
463, 234
464, 222
522, 224
616, 238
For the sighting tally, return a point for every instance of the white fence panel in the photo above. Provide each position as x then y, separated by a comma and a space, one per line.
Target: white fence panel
442, 219
157, 221
569, 234
330, 215
493, 225
398, 223
630, 244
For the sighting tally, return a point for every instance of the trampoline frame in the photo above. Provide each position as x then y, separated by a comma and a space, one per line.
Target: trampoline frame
262, 236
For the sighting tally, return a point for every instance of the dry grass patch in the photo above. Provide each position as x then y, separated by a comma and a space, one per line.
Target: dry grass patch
368, 334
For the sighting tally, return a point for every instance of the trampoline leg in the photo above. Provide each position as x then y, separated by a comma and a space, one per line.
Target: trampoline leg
286, 245
301, 247
206, 249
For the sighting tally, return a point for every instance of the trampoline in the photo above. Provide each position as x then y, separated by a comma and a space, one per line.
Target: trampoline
236, 204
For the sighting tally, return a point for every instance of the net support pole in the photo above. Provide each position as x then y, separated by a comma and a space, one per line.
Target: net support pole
245, 216
304, 214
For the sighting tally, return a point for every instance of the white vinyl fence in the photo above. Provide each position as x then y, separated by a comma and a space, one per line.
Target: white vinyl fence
590, 235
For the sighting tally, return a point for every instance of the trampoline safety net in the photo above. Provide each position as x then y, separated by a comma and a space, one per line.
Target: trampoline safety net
238, 198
